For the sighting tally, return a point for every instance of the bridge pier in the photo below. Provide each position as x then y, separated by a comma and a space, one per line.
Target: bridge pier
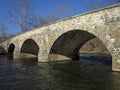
43, 58
16, 55
57, 57
75, 57
115, 64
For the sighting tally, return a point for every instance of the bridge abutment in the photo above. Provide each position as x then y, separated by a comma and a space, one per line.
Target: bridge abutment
43, 58
116, 63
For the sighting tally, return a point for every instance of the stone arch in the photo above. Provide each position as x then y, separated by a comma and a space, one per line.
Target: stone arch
67, 46
29, 48
11, 49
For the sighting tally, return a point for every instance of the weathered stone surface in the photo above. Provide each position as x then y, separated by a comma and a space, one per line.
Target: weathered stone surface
55, 38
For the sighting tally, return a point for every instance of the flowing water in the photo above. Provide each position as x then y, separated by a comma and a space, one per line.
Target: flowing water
67, 75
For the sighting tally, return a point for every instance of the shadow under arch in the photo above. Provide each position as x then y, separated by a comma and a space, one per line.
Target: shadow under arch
67, 46
95, 50
11, 50
2, 51
29, 49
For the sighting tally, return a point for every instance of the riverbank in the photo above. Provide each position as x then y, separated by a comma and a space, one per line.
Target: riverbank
94, 54
105, 58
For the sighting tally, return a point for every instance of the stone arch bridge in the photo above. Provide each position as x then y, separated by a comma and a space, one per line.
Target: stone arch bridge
62, 39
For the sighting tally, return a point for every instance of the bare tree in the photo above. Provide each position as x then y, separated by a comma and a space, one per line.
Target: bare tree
61, 11
3, 34
43, 20
21, 14
34, 21
38, 21
52, 17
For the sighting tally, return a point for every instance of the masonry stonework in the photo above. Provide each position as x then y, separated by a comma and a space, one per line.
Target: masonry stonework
103, 24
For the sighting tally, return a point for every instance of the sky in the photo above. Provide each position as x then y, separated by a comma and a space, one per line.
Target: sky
43, 7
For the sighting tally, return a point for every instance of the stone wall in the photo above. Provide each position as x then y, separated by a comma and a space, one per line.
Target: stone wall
103, 24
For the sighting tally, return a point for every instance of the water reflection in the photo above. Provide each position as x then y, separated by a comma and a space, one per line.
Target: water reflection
67, 75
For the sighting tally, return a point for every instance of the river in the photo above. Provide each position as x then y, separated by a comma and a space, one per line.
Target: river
67, 75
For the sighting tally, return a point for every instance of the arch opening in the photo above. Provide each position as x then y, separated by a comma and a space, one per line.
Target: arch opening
11, 50
29, 49
95, 50
68, 45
